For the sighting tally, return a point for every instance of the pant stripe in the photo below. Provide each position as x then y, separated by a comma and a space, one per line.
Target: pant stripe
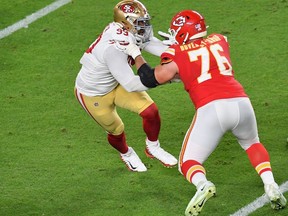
185, 143
80, 99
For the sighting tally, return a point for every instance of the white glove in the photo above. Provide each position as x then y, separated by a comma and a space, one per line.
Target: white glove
169, 39
176, 79
131, 49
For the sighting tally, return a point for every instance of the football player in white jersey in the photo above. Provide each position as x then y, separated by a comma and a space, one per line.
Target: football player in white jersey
106, 81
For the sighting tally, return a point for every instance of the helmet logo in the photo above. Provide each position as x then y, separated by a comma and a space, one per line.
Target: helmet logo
126, 8
180, 21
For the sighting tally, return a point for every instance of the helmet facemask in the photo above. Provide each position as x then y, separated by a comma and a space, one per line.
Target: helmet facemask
143, 30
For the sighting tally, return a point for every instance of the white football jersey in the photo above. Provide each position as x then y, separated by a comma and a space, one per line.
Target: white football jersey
104, 66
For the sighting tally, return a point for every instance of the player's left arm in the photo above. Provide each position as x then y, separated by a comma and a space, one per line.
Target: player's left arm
152, 77
154, 46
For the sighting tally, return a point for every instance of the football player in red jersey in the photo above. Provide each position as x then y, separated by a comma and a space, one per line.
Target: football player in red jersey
204, 66
106, 81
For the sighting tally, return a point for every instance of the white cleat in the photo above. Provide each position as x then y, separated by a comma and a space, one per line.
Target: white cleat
205, 190
132, 161
153, 150
277, 200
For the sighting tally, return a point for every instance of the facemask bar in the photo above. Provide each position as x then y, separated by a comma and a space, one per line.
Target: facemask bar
143, 29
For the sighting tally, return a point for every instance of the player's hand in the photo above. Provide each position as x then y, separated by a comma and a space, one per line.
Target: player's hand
131, 49
175, 80
169, 40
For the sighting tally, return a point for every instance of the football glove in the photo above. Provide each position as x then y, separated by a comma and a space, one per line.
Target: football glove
131, 49
128, 46
169, 40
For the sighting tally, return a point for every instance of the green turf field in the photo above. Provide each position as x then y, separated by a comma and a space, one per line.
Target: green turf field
55, 161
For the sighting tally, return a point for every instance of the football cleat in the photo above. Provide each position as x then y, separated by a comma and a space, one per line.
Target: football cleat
205, 190
132, 161
277, 200
153, 150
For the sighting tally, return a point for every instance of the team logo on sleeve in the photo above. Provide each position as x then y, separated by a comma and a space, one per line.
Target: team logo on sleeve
127, 8
180, 21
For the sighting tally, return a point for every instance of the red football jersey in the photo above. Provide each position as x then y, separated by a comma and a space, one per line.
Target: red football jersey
205, 69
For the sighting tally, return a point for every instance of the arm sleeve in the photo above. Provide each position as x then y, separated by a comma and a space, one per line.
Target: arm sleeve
122, 72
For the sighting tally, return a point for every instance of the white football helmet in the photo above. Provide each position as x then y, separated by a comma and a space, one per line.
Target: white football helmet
134, 17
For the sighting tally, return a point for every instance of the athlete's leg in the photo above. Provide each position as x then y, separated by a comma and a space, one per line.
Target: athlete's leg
102, 110
247, 134
200, 140
142, 104
151, 122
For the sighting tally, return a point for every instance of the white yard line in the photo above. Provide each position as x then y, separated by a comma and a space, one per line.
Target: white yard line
33, 17
258, 203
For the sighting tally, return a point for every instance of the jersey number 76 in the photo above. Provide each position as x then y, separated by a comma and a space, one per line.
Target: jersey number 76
223, 64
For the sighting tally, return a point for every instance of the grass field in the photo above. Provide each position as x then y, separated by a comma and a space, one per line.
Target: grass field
55, 161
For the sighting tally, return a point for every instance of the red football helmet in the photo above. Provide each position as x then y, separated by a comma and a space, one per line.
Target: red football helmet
187, 25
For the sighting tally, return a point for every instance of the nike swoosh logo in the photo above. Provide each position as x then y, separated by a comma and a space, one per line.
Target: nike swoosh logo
202, 203
131, 165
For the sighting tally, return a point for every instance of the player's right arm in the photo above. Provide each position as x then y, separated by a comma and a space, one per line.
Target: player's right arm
121, 70
166, 72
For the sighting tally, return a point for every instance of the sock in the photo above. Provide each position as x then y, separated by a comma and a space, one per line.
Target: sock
118, 142
194, 172
267, 177
260, 160
151, 122
152, 143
